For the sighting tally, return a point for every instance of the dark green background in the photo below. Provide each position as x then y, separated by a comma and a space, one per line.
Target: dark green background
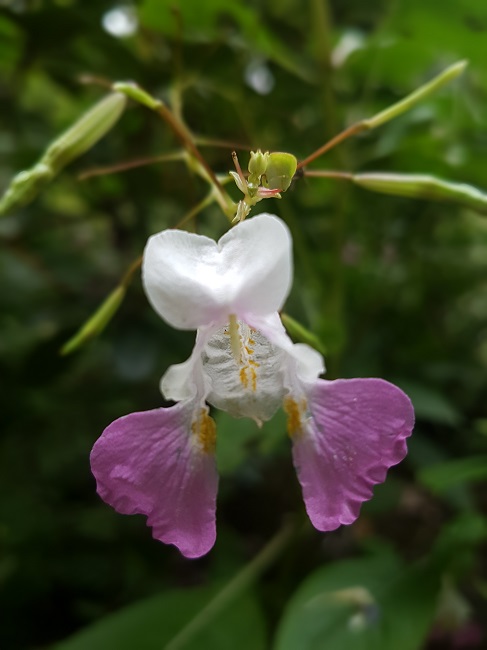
393, 287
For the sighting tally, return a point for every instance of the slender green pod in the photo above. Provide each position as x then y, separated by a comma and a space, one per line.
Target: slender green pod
80, 137
97, 322
423, 186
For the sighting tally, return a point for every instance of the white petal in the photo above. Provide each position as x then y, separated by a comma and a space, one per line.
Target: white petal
191, 280
310, 362
306, 362
184, 381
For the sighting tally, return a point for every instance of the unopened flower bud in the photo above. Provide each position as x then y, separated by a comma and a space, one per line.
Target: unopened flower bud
258, 162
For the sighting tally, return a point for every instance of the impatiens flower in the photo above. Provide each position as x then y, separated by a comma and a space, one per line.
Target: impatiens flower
161, 463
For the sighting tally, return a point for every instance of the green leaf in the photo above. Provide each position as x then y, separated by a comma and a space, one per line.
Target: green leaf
429, 404
442, 476
237, 438
11, 45
364, 604
152, 623
208, 24
234, 439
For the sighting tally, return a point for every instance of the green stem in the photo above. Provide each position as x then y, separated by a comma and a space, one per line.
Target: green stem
344, 135
132, 164
235, 587
391, 112
185, 137
179, 129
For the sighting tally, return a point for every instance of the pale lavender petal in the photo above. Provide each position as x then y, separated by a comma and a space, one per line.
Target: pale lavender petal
161, 464
356, 429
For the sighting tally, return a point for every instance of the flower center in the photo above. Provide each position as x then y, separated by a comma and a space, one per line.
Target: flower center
245, 371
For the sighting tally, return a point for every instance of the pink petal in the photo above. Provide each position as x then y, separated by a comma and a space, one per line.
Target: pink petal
161, 464
357, 430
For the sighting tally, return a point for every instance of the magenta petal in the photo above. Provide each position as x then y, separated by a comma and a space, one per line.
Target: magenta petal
151, 463
356, 431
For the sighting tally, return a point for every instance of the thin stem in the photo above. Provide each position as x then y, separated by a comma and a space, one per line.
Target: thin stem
181, 132
203, 141
195, 211
93, 80
127, 278
235, 587
185, 138
131, 164
393, 111
354, 129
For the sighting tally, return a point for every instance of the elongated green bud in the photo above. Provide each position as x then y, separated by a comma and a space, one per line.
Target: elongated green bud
86, 132
280, 170
80, 137
24, 187
97, 322
417, 96
422, 186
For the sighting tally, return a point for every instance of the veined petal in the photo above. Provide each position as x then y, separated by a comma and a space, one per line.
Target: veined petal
307, 363
161, 464
346, 434
245, 379
192, 280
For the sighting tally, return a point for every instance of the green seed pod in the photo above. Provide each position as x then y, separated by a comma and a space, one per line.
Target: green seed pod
84, 133
422, 186
280, 170
97, 322
24, 187
80, 137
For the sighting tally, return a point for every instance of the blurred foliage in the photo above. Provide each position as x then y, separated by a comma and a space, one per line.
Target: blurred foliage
391, 287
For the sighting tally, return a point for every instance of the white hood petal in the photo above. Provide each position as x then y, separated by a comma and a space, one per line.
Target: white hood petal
192, 280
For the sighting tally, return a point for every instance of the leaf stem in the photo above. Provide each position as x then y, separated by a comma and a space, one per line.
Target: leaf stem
238, 584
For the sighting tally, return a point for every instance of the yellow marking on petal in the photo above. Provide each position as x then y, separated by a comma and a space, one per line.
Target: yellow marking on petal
253, 376
253, 363
243, 377
251, 341
249, 350
295, 412
235, 342
205, 429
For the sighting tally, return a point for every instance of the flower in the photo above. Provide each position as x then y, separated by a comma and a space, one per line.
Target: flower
161, 463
